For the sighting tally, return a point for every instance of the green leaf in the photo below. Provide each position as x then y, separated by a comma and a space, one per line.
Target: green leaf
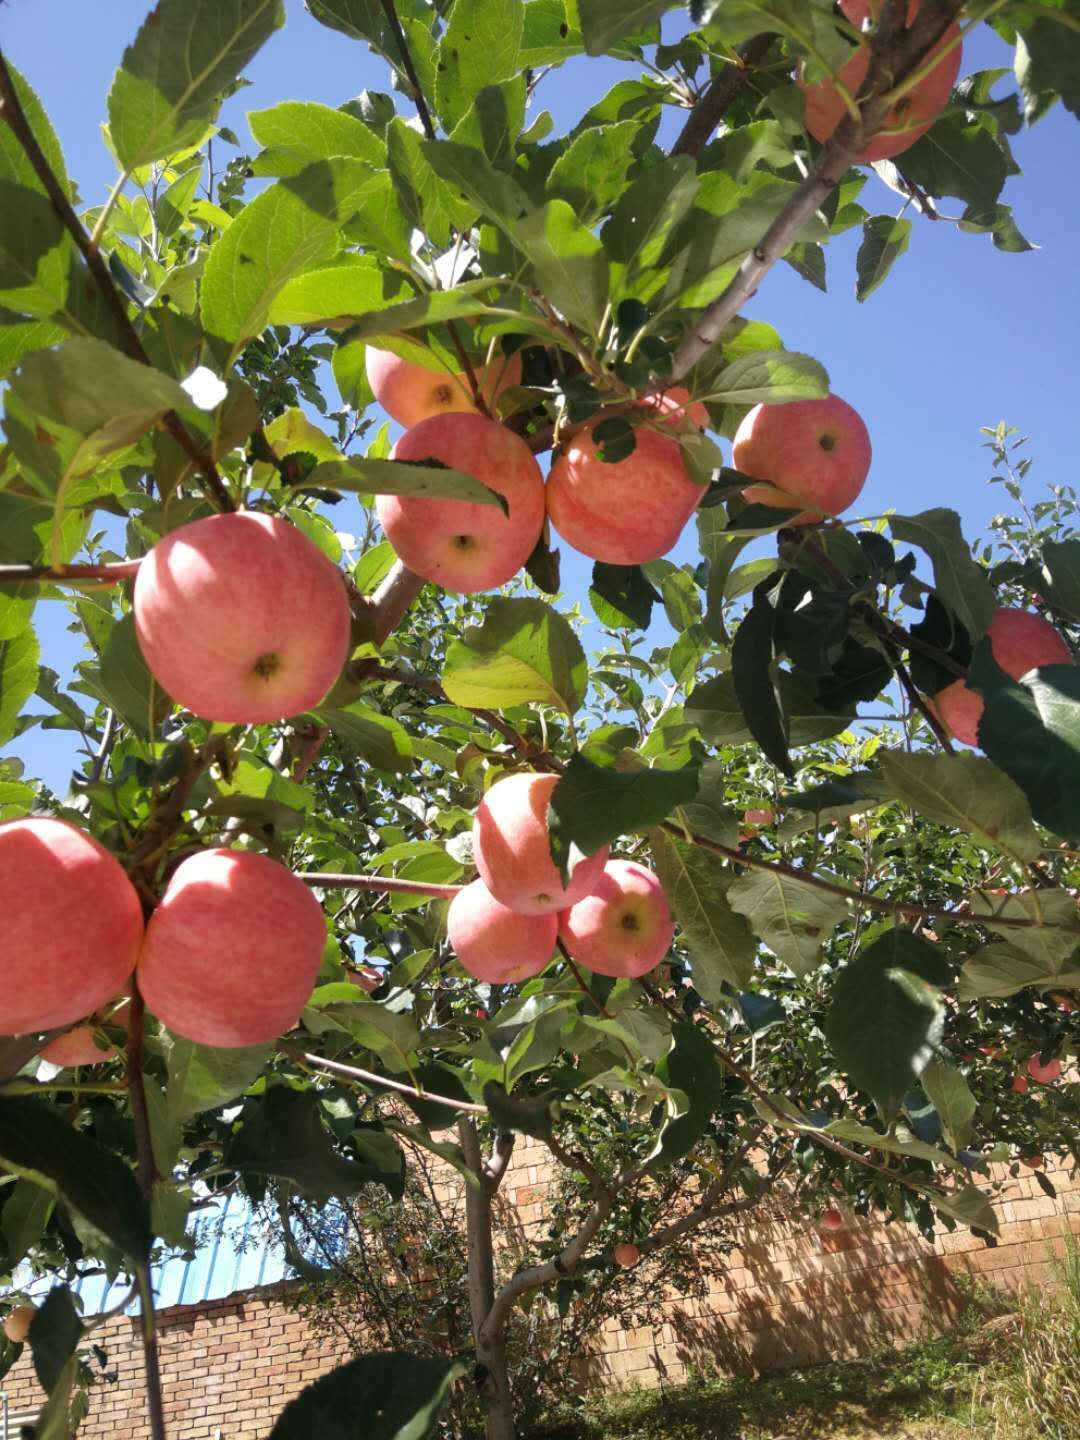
769, 377
172, 78
590, 174
714, 707
203, 1078
885, 1020
472, 174
478, 48
691, 1068
793, 919
282, 1134
970, 1207
959, 158
126, 681
293, 226
968, 793
36, 1144
1062, 566
524, 650
25, 1214
885, 238
569, 261
698, 889
1001, 969
387, 1396
950, 1095
54, 1333
54, 1418
297, 132
1031, 730
380, 740
1046, 908
754, 674
36, 251
961, 583
531, 1116
430, 480
19, 337
330, 293
621, 596
648, 212
592, 805
1047, 57
604, 22
18, 679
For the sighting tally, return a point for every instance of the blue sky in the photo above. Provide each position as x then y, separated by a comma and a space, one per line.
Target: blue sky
961, 335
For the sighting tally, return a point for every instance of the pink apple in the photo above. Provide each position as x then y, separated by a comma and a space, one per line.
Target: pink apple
512, 849
811, 452
367, 978
17, 1323
1044, 1074
625, 512
626, 1254
832, 1220
76, 1047
1019, 642
241, 618
1021, 1084
410, 393
910, 117
758, 817
72, 925
624, 928
462, 546
232, 952
673, 407
495, 944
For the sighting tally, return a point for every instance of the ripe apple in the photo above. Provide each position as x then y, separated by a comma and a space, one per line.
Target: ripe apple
626, 1254
241, 618
233, 949
495, 944
72, 925
410, 393
1044, 1074
457, 544
76, 1047
910, 117
814, 452
832, 1220
625, 512
1021, 1084
1033, 1162
17, 1323
367, 978
672, 407
758, 817
1019, 642
624, 928
512, 849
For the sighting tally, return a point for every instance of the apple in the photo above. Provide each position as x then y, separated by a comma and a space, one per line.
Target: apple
810, 452
624, 928
910, 117
1033, 1162
367, 978
758, 817
495, 944
512, 849
1043, 1074
674, 405
73, 924
77, 1047
1019, 642
1021, 1084
832, 1220
17, 1323
626, 1254
233, 949
625, 512
241, 618
410, 393
462, 546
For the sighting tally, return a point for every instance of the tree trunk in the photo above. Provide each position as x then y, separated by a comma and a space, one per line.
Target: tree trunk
493, 1379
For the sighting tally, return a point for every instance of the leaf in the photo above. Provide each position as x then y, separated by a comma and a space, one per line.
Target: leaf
603, 22
698, 889
36, 1144
961, 583
203, 1078
793, 919
1031, 730
970, 1207
54, 1418
690, 1067
592, 805
769, 377
18, 679
297, 132
1000, 969
126, 681
753, 673
956, 157
621, 596
430, 480
1051, 947
291, 227
282, 1134
1061, 562
24, 1217
590, 174
648, 212
172, 78
54, 1333
331, 292
531, 1116
968, 793
951, 1097
885, 1020
715, 709
379, 739
885, 239
472, 174
524, 650
388, 1396
569, 261
478, 48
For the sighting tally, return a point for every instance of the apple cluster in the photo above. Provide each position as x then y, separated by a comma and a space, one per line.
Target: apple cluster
611, 915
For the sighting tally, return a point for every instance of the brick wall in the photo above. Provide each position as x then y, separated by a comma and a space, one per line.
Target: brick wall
787, 1296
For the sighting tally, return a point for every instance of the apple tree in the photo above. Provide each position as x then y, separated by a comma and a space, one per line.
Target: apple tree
364, 851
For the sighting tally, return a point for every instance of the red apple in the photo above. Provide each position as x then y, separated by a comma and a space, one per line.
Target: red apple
410, 393
76, 1047
832, 1220
495, 944
1033, 1162
462, 546
758, 817
673, 407
367, 978
811, 452
1019, 642
72, 925
512, 849
910, 117
624, 928
17, 1323
626, 1254
232, 952
625, 512
1021, 1084
241, 618
1044, 1074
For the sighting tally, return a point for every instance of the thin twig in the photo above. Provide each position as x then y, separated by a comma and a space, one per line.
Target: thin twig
417, 95
368, 1077
321, 880
717, 99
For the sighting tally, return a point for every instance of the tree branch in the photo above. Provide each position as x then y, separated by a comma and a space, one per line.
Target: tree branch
402, 43
496, 1166
724, 88
114, 574
353, 1072
383, 612
326, 881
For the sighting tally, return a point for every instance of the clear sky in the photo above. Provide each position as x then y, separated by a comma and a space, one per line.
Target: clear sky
960, 336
